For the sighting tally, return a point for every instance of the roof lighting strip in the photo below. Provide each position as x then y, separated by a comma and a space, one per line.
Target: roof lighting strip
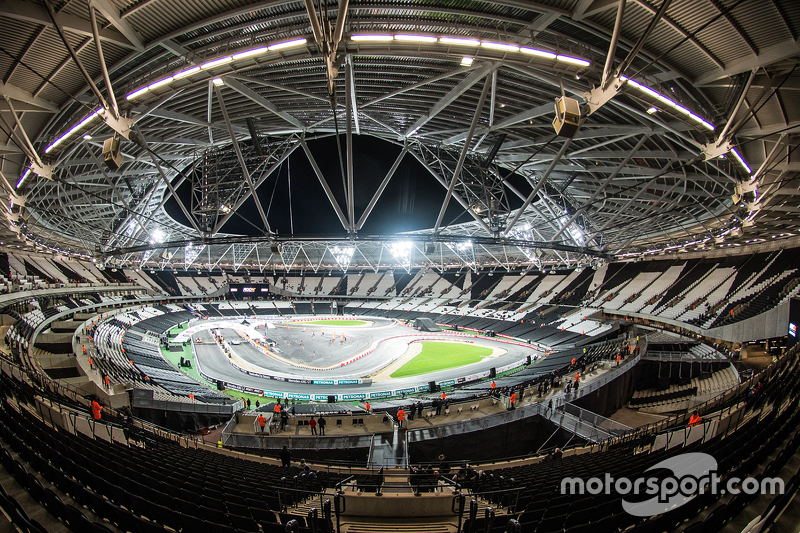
473, 43
73, 130
214, 63
670, 103
741, 161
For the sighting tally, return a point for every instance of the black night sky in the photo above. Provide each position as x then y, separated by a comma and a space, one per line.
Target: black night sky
411, 201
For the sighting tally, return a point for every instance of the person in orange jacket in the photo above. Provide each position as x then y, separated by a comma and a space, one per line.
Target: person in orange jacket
401, 416
262, 422
695, 419
96, 409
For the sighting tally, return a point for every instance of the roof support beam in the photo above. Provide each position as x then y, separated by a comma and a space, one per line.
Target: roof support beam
600, 189
37, 14
113, 16
253, 96
587, 8
381, 188
261, 179
457, 196
422, 83
282, 88
240, 157
349, 111
539, 185
326, 188
462, 87
103, 69
768, 56
15, 93
522, 116
475, 117
350, 82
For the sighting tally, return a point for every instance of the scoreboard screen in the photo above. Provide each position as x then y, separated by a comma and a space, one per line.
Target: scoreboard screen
794, 320
240, 291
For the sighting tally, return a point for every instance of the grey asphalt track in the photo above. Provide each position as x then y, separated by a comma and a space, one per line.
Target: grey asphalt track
317, 350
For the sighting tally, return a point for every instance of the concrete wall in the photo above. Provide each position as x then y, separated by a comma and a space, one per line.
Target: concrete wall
773, 323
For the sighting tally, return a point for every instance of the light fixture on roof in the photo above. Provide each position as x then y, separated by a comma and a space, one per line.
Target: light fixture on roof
23, 178
467, 61
287, 44
251, 53
500, 46
185, 73
573, 60
741, 160
652, 110
218, 82
671, 103
74, 129
159, 83
216, 62
416, 38
136, 94
371, 37
459, 41
538, 53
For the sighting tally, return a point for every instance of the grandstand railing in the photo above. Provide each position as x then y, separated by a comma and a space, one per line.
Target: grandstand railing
602, 423
683, 356
67, 289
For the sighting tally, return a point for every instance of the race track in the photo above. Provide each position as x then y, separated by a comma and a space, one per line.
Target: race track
316, 357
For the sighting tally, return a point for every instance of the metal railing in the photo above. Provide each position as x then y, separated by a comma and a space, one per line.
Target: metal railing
596, 420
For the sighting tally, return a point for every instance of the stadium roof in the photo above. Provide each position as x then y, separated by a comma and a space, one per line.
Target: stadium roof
686, 136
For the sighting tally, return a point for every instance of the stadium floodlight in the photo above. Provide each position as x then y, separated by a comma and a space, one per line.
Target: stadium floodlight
158, 235
466, 61
191, 252
401, 249
343, 255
